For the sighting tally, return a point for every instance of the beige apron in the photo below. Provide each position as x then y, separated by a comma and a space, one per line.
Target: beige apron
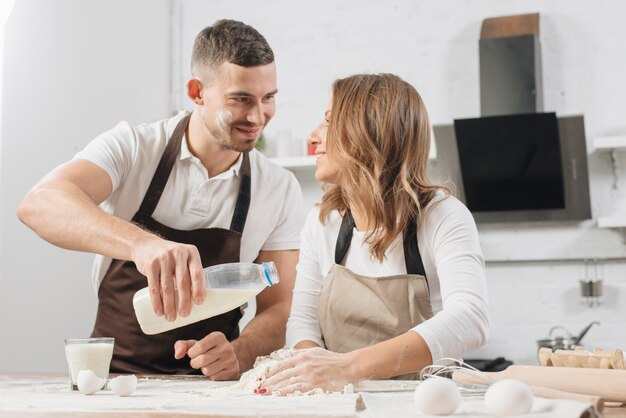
358, 311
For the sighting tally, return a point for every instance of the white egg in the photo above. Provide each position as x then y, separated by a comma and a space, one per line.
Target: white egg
123, 385
88, 383
509, 397
437, 396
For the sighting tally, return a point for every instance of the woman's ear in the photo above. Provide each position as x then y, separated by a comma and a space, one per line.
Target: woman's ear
194, 91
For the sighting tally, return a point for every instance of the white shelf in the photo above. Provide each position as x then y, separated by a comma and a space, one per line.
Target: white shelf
303, 162
295, 162
615, 221
609, 143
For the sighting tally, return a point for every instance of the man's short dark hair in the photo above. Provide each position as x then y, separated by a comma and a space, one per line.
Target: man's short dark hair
228, 41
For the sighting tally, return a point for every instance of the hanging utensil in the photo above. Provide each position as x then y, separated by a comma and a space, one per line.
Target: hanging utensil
566, 341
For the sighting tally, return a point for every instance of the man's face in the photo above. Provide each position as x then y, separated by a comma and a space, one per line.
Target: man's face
238, 104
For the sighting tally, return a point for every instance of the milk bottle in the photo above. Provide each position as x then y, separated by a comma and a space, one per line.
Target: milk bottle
229, 286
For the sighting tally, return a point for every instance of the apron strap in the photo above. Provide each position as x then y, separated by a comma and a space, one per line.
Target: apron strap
344, 238
243, 199
153, 195
412, 257
162, 174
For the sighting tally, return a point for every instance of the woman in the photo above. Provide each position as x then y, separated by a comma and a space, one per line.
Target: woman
391, 274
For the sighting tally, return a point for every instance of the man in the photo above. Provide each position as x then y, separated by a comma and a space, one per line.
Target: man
175, 197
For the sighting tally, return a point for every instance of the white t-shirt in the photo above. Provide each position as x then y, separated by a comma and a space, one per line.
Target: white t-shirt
454, 264
190, 199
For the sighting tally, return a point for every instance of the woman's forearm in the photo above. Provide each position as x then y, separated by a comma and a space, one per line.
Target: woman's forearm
406, 353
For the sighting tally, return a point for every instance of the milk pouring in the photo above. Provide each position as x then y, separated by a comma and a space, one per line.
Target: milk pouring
228, 286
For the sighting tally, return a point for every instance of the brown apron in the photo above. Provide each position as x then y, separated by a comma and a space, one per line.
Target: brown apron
134, 351
358, 311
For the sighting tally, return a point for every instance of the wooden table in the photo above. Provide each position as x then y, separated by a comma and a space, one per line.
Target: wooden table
615, 412
48, 395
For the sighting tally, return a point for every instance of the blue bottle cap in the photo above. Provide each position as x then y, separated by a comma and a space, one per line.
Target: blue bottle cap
270, 272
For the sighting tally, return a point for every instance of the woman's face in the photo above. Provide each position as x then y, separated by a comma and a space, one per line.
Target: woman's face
327, 170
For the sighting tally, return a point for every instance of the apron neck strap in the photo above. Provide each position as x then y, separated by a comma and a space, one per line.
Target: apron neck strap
162, 174
412, 257
153, 195
243, 199
345, 237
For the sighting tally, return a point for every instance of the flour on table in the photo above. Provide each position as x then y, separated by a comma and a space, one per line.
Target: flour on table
251, 379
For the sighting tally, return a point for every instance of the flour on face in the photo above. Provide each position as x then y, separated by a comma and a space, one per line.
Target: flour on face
223, 118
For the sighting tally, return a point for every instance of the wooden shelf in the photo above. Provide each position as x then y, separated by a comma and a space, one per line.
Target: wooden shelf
295, 162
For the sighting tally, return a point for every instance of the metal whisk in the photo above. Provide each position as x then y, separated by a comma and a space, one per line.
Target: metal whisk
444, 367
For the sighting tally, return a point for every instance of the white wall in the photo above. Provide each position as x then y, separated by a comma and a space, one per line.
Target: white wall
73, 69
434, 45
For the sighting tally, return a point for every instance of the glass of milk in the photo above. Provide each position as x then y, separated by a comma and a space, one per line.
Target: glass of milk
88, 353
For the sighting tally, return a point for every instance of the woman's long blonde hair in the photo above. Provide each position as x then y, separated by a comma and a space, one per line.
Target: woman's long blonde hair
379, 135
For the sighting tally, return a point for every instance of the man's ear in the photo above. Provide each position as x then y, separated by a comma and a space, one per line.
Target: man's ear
194, 91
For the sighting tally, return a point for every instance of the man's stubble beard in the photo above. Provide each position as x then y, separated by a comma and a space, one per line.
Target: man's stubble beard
222, 133
224, 141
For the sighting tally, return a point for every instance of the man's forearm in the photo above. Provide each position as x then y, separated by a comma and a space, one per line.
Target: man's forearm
64, 216
264, 334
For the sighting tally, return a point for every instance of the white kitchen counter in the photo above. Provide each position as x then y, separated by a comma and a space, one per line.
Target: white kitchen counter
183, 396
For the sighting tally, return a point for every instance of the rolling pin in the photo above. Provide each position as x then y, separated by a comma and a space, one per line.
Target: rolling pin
543, 392
608, 384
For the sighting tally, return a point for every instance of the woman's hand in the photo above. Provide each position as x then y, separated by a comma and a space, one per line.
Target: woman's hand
310, 369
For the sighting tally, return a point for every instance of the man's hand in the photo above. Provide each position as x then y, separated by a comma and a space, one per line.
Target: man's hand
214, 355
166, 263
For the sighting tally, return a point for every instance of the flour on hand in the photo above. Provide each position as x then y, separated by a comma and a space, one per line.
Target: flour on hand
250, 380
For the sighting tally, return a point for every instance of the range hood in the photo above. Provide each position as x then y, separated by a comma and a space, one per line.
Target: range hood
515, 163
510, 65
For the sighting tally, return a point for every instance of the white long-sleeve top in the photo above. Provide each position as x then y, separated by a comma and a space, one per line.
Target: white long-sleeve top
448, 243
